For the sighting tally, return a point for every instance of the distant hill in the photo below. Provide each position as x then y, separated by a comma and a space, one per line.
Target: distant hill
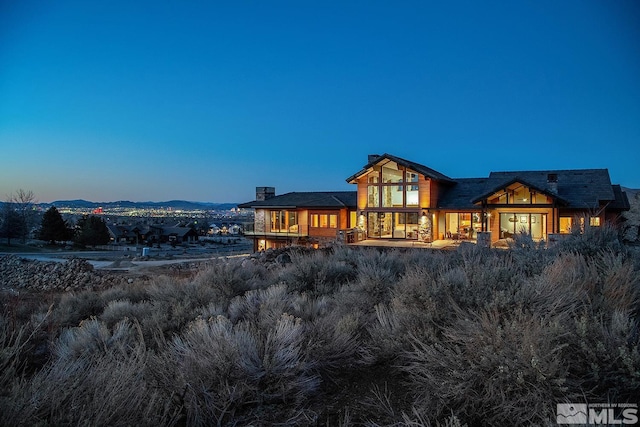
172, 204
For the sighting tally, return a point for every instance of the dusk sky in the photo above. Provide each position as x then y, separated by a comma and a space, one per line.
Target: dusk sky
205, 100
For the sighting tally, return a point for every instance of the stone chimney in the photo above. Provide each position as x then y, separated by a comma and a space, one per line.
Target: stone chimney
265, 193
552, 182
372, 158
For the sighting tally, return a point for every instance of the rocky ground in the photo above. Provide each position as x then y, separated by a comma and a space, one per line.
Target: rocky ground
18, 274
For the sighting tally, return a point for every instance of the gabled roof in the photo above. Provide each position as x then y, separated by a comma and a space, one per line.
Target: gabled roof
621, 201
522, 181
421, 169
577, 188
313, 199
178, 231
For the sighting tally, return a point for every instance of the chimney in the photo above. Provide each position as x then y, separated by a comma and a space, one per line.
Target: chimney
265, 193
372, 158
552, 182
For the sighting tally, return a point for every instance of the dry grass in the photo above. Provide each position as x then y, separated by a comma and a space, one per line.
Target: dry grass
342, 337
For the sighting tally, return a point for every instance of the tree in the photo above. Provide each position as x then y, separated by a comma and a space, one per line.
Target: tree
23, 202
11, 223
92, 231
53, 228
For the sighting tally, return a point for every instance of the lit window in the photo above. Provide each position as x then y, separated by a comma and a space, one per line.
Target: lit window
373, 200
565, 224
594, 221
324, 220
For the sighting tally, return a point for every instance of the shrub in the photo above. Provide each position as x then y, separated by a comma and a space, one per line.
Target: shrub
219, 368
95, 378
489, 369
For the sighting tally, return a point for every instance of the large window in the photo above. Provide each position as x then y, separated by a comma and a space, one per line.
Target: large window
393, 225
284, 221
392, 186
531, 223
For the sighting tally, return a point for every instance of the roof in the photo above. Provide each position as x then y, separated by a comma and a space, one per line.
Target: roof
460, 195
313, 199
576, 188
178, 231
621, 201
421, 169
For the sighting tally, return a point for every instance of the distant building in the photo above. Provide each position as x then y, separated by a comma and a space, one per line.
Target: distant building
138, 234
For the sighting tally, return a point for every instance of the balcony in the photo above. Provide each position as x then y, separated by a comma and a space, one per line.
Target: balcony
249, 230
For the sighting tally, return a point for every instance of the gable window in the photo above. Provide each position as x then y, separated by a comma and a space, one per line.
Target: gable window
519, 194
392, 186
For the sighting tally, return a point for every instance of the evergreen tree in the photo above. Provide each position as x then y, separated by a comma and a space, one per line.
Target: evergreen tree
11, 223
92, 231
53, 228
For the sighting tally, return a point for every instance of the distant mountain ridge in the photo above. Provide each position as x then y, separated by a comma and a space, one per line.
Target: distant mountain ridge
172, 204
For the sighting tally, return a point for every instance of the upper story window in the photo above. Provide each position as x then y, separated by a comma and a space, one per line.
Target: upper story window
391, 174
284, 221
397, 188
518, 194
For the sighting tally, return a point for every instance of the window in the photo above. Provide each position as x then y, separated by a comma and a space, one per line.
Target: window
284, 221
412, 196
594, 221
324, 220
392, 187
373, 200
565, 224
391, 174
518, 194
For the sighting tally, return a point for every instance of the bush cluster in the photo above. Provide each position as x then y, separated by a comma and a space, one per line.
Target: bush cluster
350, 336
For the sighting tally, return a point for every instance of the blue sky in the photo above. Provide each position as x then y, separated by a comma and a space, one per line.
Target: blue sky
205, 100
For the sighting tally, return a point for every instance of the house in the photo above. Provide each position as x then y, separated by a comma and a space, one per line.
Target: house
135, 234
398, 199
178, 235
122, 234
300, 218
401, 199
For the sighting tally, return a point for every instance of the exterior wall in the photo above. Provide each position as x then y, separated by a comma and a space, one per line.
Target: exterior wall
303, 222
260, 222
424, 193
343, 219
362, 193
435, 193
322, 231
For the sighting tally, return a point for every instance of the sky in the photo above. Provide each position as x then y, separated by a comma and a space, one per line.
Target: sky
206, 100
